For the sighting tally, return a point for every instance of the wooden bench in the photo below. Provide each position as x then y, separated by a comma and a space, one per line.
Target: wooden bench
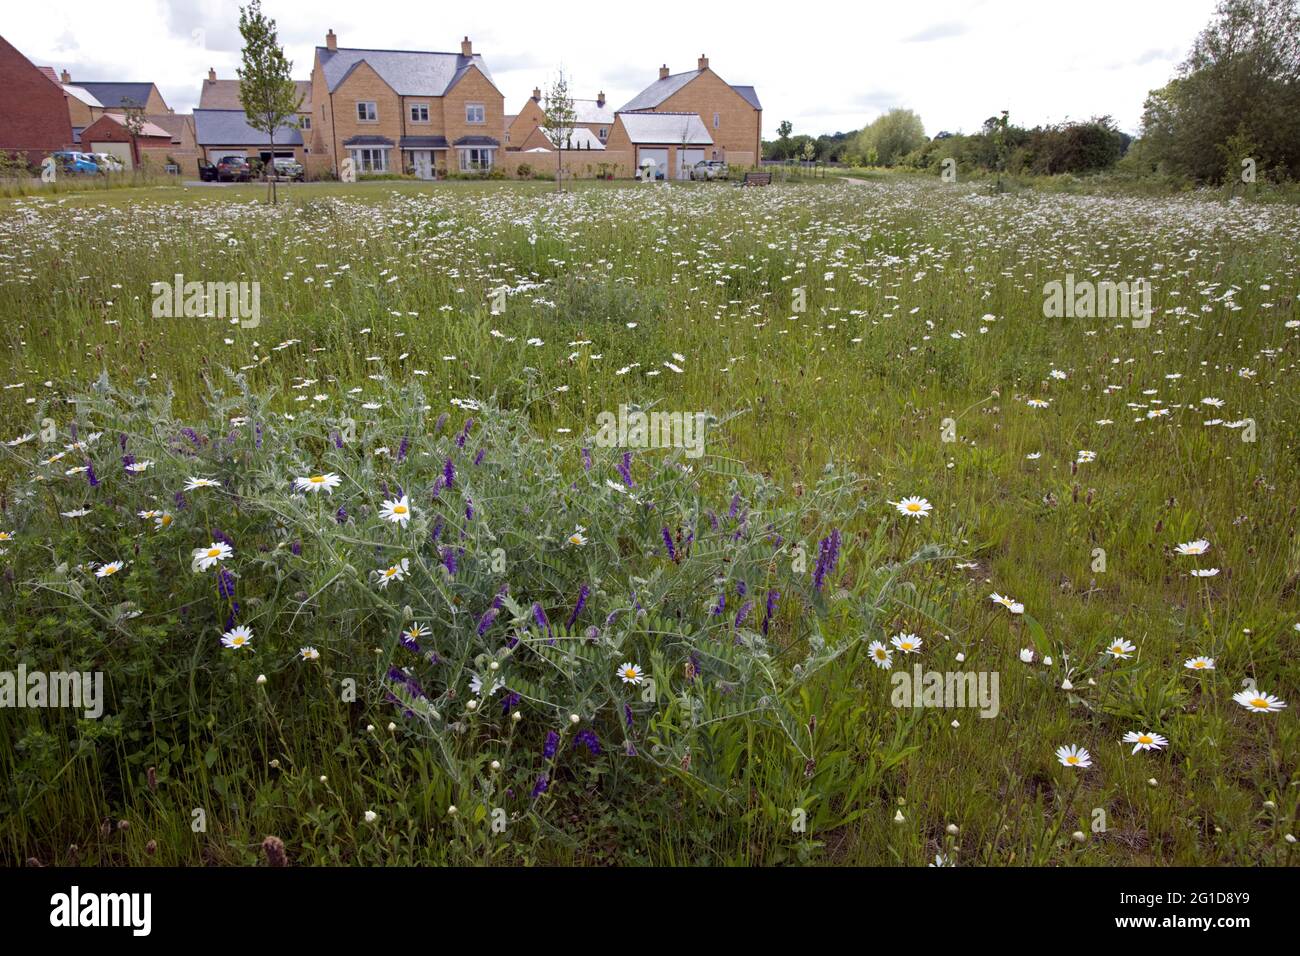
757, 179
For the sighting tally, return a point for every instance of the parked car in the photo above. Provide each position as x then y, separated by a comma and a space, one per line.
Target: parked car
709, 169
286, 167
107, 163
74, 163
207, 172
233, 169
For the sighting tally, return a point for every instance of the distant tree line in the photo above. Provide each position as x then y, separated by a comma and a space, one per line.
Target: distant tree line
1234, 103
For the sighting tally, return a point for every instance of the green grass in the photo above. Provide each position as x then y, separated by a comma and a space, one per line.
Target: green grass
616, 281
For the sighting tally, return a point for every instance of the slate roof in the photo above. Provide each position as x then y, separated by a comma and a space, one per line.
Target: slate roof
368, 140
588, 112
224, 95
423, 142
665, 128
408, 72
230, 128
118, 95
660, 90
476, 141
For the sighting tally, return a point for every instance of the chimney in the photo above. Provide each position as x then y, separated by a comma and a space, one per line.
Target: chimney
537, 94
331, 41
663, 72
212, 75
65, 77
600, 99
466, 48
704, 62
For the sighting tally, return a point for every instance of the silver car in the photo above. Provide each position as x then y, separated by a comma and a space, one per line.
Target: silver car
709, 169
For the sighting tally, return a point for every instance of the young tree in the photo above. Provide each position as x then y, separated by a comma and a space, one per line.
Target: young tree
266, 90
560, 121
133, 119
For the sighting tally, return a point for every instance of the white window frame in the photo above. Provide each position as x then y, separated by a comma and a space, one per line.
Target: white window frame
484, 157
423, 107
364, 157
371, 111
475, 109
304, 122
604, 133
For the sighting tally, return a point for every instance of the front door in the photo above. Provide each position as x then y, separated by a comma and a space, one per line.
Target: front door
422, 160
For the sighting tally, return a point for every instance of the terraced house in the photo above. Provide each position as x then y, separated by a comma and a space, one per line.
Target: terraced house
425, 113
731, 115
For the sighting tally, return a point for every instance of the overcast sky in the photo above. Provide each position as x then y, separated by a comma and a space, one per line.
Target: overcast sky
824, 66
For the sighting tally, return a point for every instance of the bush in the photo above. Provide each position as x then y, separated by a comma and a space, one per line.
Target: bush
488, 590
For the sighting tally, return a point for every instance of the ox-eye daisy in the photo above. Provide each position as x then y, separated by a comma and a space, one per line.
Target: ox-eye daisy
194, 483
578, 539
317, 483
1258, 701
163, 521
630, 673
1199, 546
1012, 605
112, 567
1144, 740
1121, 649
309, 653
913, 507
394, 573
907, 643
217, 551
237, 638
1199, 663
397, 510
882, 655
1073, 756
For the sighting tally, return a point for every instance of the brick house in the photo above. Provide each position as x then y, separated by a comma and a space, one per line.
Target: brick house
591, 115
224, 95
109, 134
422, 112
732, 115
33, 111
674, 142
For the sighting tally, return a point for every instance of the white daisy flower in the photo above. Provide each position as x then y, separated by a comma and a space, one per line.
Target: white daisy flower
317, 483
1073, 756
881, 655
907, 643
1144, 741
1258, 701
397, 510
213, 554
913, 507
630, 673
237, 638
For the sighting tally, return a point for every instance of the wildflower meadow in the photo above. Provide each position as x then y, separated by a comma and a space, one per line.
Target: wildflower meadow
485, 523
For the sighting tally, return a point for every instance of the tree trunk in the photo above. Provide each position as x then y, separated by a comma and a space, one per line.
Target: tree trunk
271, 167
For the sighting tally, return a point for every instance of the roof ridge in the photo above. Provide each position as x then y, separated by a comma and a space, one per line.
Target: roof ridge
376, 49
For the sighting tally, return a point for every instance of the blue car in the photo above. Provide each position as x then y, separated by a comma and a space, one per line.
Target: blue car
81, 164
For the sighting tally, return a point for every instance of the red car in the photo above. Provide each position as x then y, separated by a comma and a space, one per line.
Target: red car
233, 169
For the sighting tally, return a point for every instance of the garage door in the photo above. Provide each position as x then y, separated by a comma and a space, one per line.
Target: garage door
660, 156
121, 151
686, 160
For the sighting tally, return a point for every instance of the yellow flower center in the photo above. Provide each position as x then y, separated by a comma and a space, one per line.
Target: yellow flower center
1198, 664
213, 552
1072, 759
110, 569
913, 506
399, 509
1145, 739
317, 479
390, 572
1259, 702
166, 520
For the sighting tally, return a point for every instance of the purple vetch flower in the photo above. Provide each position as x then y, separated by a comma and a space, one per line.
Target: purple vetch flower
741, 590
539, 616
772, 597
403, 448
586, 459
509, 701
91, 477
440, 423
577, 608
449, 559
410, 643
588, 739
257, 435
341, 516
713, 520
121, 440
460, 439
478, 458
436, 533
552, 742
540, 786
629, 748
740, 528
225, 583
337, 439
469, 508
744, 612
449, 474
735, 505
668, 543
720, 606
181, 503
627, 715
486, 621
625, 469
127, 462
828, 555
193, 436
296, 548
233, 617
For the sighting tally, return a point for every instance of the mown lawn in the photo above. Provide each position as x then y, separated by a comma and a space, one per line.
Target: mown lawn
825, 325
